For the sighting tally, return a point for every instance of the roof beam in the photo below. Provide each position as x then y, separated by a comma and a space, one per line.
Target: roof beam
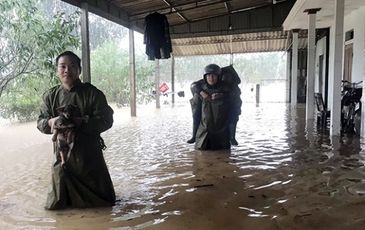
168, 10
250, 8
177, 11
228, 6
225, 14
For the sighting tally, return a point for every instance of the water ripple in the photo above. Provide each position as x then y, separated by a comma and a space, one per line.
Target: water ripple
282, 169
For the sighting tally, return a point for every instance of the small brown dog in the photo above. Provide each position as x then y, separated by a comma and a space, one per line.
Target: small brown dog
64, 130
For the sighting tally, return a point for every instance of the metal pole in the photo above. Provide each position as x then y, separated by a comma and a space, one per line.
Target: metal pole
173, 79
86, 77
132, 74
257, 93
157, 83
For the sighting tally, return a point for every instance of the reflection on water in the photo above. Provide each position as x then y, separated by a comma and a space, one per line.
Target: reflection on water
283, 175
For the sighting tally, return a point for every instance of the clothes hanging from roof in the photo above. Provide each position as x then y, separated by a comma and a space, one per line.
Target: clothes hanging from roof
157, 36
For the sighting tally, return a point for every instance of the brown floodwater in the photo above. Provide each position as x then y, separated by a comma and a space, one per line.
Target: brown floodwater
283, 175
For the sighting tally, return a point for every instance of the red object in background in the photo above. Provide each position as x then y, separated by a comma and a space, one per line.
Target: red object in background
164, 87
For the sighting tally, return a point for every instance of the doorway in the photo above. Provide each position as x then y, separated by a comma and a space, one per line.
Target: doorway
347, 69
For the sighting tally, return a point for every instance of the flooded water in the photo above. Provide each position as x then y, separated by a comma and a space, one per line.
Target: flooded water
283, 175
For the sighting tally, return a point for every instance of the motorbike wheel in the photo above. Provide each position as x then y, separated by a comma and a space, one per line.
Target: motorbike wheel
357, 122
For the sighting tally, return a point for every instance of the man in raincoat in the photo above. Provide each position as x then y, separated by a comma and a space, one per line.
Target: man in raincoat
231, 80
83, 181
212, 133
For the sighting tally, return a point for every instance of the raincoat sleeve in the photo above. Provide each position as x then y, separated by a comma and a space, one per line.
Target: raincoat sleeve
196, 87
101, 117
236, 100
45, 115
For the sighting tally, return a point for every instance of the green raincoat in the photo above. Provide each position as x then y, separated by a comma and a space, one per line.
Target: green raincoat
84, 181
213, 133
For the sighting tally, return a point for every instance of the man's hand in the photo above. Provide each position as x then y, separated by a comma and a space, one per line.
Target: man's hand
217, 96
204, 95
51, 123
79, 120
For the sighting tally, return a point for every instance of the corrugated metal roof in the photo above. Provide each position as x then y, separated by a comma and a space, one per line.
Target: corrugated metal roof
182, 11
206, 26
237, 43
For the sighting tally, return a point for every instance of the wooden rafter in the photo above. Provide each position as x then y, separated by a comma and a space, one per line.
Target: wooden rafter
176, 10
167, 10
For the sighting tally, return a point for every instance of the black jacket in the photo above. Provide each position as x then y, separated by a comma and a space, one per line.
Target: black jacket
157, 36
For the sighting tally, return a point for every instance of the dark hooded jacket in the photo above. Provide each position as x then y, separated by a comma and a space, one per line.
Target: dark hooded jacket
212, 133
157, 37
84, 180
232, 80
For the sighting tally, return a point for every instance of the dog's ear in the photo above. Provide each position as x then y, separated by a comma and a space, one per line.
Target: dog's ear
60, 109
73, 107
75, 110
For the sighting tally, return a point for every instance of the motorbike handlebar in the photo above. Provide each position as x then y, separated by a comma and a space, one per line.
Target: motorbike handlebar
346, 83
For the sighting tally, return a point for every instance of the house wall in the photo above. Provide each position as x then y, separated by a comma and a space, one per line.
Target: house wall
320, 50
356, 21
331, 63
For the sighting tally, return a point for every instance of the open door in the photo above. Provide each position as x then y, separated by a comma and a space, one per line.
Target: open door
347, 69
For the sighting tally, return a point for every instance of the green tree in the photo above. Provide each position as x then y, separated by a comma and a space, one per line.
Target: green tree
102, 30
256, 67
29, 41
110, 73
191, 68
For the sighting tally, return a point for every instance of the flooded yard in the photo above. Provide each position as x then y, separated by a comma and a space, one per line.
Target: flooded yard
283, 175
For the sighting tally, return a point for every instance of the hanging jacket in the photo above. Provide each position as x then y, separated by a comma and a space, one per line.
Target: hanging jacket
157, 37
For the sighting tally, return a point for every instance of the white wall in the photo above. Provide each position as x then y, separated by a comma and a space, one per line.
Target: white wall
331, 64
356, 21
320, 50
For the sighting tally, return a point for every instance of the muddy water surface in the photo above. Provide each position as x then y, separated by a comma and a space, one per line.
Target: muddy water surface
283, 175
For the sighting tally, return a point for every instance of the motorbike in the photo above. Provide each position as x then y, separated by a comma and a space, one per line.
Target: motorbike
351, 107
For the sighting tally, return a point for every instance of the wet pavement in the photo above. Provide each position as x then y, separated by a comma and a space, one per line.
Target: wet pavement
283, 175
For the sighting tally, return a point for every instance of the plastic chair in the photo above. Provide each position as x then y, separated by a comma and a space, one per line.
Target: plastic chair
323, 114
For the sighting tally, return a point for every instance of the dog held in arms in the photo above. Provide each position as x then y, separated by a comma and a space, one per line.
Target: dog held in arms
64, 130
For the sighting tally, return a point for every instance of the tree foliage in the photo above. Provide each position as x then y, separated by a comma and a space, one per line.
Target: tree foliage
252, 67
110, 73
102, 30
257, 67
32, 34
29, 41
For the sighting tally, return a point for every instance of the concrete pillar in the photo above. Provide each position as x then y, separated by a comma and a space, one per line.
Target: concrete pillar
173, 79
335, 129
86, 76
362, 126
311, 60
257, 93
157, 83
294, 73
288, 77
132, 74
